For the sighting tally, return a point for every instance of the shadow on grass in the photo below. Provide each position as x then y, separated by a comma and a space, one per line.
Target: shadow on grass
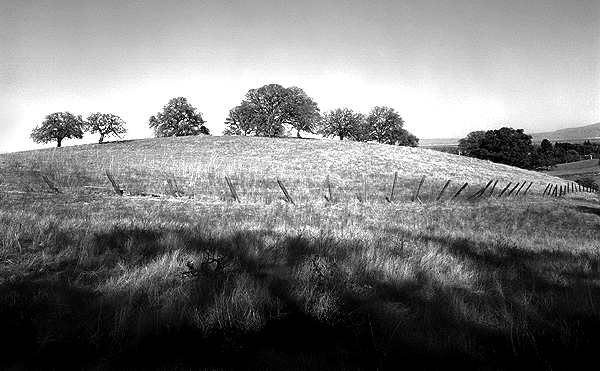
589, 210
540, 308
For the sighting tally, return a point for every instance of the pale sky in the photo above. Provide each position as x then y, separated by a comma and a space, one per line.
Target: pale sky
448, 67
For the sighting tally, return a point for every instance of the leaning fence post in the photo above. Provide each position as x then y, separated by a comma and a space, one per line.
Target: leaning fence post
555, 192
481, 191
519, 190
527, 189
545, 190
174, 187
51, 185
231, 189
460, 190
493, 187
442, 191
504, 190
114, 183
288, 198
330, 198
512, 190
416, 196
391, 198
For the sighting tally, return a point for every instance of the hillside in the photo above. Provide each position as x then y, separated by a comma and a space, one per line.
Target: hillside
575, 134
199, 165
575, 170
94, 281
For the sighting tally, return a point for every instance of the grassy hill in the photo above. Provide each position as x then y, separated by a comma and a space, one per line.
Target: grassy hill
199, 165
92, 280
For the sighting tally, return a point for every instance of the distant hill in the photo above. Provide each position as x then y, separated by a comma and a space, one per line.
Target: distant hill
577, 134
570, 134
436, 142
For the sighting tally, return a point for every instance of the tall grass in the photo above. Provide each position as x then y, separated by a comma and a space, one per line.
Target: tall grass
141, 283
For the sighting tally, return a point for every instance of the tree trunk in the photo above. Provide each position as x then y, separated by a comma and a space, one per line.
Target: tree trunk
58, 142
101, 138
298, 134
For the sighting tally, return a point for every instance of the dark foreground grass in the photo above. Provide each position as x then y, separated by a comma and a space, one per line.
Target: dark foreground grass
114, 283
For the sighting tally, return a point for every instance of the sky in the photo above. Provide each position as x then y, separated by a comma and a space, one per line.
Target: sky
447, 67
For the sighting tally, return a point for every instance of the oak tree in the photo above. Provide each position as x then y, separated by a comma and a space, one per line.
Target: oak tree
58, 126
385, 125
178, 118
271, 110
342, 123
106, 124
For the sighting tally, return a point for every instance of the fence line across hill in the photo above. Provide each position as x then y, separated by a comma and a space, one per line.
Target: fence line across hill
514, 189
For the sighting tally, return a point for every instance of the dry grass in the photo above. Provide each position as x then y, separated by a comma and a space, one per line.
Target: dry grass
104, 282
199, 165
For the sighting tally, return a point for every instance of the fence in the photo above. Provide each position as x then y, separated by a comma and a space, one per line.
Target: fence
511, 189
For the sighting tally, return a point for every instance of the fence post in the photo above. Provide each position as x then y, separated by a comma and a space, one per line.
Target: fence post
519, 190
114, 183
504, 190
416, 196
174, 187
481, 191
527, 189
330, 198
442, 191
512, 190
288, 198
493, 188
555, 192
460, 190
51, 185
391, 198
545, 190
231, 189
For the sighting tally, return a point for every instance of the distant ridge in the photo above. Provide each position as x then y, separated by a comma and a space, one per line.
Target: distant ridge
574, 134
577, 134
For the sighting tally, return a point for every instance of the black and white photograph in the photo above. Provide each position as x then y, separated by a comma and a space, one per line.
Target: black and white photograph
299, 185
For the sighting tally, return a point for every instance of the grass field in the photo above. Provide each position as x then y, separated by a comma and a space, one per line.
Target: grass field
91, 280
575, 170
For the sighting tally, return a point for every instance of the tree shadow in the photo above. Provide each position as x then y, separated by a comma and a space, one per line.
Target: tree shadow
56, 321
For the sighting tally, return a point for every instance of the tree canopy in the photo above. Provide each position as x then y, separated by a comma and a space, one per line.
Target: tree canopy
178, 118
342, 123
471, 142
505, 146
272, 109
385, 125
106, 124
58, 126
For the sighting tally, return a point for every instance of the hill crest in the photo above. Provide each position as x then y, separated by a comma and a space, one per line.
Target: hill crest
200, 163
